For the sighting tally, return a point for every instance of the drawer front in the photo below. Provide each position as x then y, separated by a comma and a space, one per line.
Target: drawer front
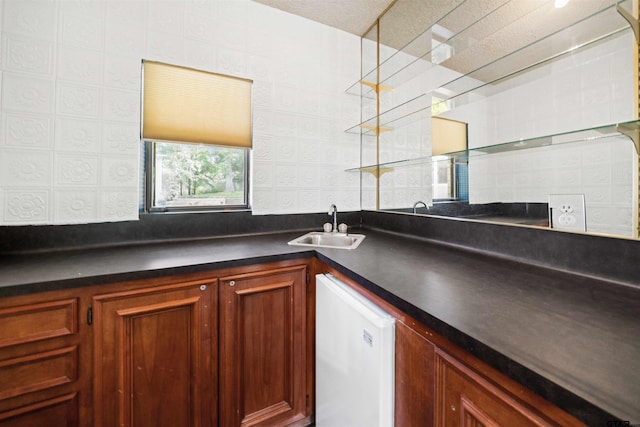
37, 372
36, 322
61, 411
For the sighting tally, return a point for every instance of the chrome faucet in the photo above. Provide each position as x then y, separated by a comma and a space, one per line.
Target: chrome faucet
334, 211
419, 202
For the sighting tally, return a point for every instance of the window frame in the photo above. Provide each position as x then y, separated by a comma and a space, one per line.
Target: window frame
149, 184
172, 84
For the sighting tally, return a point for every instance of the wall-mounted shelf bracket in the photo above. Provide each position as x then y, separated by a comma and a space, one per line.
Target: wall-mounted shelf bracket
377, 130
632, 131
376, 87
633, 21
376, 171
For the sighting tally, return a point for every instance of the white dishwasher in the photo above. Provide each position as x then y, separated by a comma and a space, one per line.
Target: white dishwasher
355, 342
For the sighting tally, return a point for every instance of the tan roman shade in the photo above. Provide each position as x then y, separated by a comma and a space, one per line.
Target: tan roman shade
447, 136
186, 105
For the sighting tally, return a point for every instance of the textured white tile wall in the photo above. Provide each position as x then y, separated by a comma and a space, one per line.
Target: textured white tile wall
591, 88
411, 136
70, 102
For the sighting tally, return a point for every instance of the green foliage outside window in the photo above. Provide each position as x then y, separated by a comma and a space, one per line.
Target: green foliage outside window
199, 175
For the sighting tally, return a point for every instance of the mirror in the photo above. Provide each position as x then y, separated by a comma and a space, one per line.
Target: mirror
540, 90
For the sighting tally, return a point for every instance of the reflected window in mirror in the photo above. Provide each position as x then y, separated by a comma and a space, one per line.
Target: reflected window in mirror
439, 105
449, 144
450, 180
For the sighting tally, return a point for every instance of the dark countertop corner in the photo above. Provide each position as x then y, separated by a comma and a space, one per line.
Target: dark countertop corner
571, 336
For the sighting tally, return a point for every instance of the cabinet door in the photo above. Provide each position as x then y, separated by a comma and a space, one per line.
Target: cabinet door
262, 348
466, 399
414, 378
153, 350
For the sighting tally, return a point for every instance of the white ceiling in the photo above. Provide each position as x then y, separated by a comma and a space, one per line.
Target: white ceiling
352, 16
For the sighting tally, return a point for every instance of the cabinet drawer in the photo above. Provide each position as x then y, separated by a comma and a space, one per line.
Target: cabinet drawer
61, 411
35, 322
36, 372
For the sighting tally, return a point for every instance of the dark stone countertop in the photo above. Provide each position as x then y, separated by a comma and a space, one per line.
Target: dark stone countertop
47, 270
572, 339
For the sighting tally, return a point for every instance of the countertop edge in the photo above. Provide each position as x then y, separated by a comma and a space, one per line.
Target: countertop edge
96, 280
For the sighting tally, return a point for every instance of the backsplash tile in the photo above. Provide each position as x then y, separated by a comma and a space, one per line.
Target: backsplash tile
27, 130
120, 105
122, 72
197, 25
78, 100
31, 18
125, 38
120, 138
117, 205
25, 168
119, 171
27, 94
28, 55
83, 8
163, 47
26, 206
75, 205
80, 65
70, 90
73, 169
81, 31
77, 135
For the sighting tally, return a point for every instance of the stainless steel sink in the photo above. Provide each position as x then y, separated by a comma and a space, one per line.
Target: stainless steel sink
319, 239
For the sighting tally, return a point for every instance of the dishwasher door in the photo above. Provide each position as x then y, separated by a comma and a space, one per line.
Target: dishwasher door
355, 342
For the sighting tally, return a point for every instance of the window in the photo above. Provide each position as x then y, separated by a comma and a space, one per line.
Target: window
196, 127
197, 176
450, 178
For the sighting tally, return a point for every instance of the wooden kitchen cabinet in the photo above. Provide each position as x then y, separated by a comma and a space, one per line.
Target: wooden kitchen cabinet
467, 399
44, 361
264, 348
155, 355
414, 378
145, 352
439, 384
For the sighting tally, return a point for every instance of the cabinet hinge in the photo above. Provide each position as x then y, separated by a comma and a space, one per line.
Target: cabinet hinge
307, 278
89, 315
307, 400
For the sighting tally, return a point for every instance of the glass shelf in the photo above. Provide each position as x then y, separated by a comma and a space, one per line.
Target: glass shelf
414, 109
427, 49
565, 41
630, 130
482, 80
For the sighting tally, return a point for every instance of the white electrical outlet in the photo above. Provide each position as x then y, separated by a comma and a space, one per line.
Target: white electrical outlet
567, 211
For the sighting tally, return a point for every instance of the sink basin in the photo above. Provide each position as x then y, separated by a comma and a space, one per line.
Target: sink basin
319, 239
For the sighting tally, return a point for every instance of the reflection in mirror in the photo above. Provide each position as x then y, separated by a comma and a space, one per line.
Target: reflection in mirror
512, 71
